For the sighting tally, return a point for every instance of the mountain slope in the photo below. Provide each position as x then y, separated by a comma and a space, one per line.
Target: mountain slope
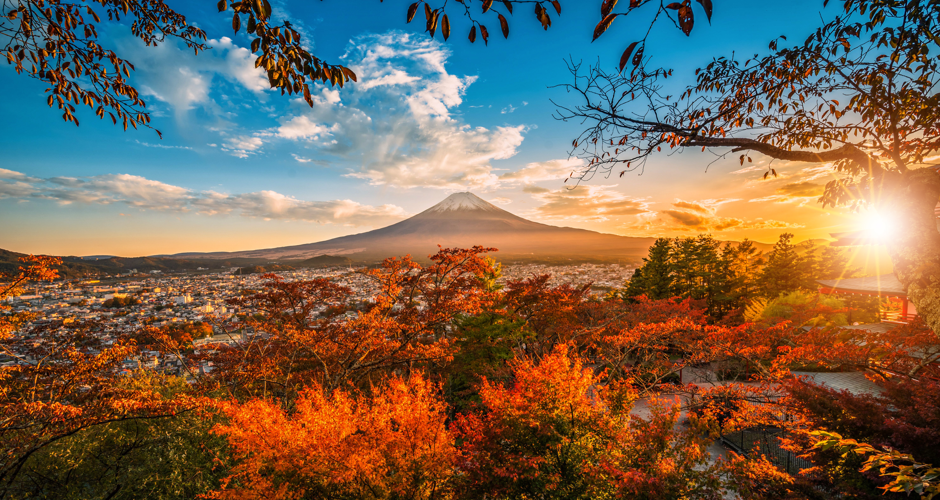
461, 220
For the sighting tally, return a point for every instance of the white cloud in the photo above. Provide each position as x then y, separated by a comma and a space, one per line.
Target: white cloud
11, 174
239, 65
393, 77
396, 124
301, 127
242, 145
15, 189
272, 205
147, 194
174, 75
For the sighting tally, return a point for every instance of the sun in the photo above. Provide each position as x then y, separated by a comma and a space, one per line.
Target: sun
879, 226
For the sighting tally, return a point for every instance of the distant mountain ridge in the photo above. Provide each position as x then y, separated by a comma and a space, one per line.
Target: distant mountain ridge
77, 267
460, 220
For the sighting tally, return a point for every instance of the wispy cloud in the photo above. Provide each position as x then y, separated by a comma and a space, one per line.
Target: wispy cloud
585, 203
161, 146
543, 171
242, 145
698, 216
175, 76
146, 194
802, 192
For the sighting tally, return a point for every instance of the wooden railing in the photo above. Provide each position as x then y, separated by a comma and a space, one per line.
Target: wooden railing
896, 317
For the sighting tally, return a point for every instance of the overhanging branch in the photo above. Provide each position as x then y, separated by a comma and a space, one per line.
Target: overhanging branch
846, 152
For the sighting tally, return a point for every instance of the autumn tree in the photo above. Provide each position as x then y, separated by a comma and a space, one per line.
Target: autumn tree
857, 94
306, 332
548, 314
897, 424
176, 457
61, 379
341, 444
545, 436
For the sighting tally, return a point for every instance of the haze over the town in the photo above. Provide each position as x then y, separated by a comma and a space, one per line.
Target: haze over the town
241, 167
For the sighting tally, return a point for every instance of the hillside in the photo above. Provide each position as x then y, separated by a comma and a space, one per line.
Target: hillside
324, 261
77, 267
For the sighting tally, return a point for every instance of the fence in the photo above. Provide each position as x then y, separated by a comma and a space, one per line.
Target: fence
765, 441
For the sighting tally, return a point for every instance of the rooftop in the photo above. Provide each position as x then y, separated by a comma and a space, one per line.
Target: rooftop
886, 284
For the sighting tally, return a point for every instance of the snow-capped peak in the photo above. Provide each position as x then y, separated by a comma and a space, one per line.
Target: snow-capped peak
462, 201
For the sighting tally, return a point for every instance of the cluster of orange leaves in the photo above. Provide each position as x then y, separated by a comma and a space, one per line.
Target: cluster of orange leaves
394, 444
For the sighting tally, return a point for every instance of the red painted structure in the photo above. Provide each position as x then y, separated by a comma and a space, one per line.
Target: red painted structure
886, 286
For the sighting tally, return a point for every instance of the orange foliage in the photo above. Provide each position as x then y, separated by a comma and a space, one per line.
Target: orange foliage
38, 268
910, 350
556, 431
64, 378
405, 326
333, 398
342, 445
549, 313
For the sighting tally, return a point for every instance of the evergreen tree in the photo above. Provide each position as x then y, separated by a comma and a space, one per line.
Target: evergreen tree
834, 264
685, 267
654, 278
698, 268
701, 272
746, 262
781, 274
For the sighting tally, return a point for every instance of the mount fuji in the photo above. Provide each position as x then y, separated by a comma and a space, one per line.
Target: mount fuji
461, 220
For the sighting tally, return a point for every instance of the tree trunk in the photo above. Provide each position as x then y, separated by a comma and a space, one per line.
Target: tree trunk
915, 251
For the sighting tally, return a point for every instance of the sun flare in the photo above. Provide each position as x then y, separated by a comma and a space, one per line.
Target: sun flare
880, 226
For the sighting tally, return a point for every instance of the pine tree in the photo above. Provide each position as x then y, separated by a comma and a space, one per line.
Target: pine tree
834, 264
746, 263
654, 278
782, 273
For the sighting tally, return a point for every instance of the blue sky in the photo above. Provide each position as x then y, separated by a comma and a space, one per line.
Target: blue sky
240, 166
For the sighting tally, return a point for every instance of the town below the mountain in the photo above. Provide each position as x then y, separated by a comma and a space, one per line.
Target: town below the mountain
197, 301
